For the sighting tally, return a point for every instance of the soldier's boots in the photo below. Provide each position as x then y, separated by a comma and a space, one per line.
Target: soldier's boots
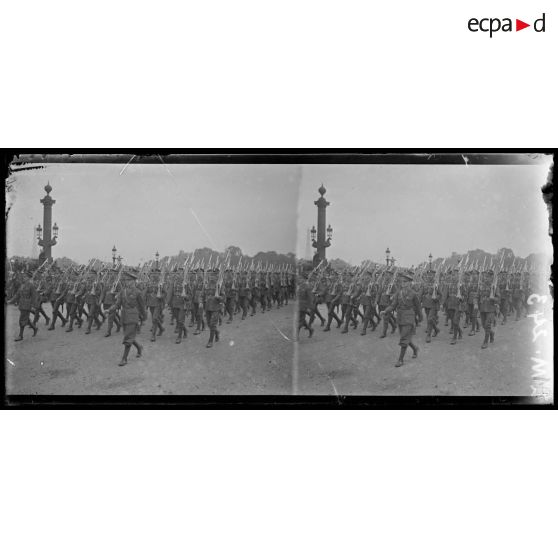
153, 335
436, 331
428, 337
124, 359
139, 349
210, 342
20, 336
492, 337
485, 343
384, 331
161, 329
401, 355
71, 325
216, 335
311, 331
415, 349
109, 332
179, 338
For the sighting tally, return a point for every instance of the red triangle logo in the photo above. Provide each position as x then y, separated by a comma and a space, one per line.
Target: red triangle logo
519, 25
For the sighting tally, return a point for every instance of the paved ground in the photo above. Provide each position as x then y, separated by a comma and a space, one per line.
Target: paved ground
350, 364
252, 357
256, 357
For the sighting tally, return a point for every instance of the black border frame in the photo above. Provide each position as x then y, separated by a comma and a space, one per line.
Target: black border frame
276, 156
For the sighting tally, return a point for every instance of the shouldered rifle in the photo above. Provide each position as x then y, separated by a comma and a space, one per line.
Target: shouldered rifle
117, 280
392, 284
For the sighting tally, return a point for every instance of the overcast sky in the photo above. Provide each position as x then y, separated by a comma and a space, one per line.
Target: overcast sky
145, 208
413, 209
418, 209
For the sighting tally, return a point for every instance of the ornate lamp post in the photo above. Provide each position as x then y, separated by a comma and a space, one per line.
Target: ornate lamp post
48, 240
113, 256
318, 235
393, 262
387, 256
119, 260
157, 259
430, 260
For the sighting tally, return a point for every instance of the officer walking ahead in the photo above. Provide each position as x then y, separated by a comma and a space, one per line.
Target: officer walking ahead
130, 302
27, 299
407, 304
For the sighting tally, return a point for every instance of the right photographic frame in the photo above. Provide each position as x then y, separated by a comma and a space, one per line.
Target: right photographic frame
426, 275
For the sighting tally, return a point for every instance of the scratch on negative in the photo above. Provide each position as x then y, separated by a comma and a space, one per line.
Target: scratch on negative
126, 165
273, 323
191, 210
466, 160
335, 391
12, 363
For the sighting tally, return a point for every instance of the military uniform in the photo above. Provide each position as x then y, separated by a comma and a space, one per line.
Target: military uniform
213, 302
109, 296
155, 295
407, 305
27, 298
488, 307
244, 295
130, 302
384, 300
331, 299
71, 299
430, 300
472, 302
92, 298
304, 294
56, 300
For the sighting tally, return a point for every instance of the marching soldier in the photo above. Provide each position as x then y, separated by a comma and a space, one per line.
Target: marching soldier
155, 295
71, 300
384, 299
43, 292
56, 300
331, 299
431, 304
230, 295
213, 301
244, 294
108, 297
27, 299
198, 296
407, 305
304, 300
472, 301
505, 295
130, 302
92, 297
368, 299
488, 306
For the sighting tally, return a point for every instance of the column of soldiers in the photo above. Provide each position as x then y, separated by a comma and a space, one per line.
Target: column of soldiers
470, 296
206, 295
